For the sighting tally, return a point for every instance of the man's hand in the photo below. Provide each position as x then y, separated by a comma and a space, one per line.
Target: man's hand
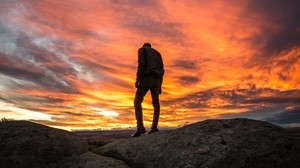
137, 84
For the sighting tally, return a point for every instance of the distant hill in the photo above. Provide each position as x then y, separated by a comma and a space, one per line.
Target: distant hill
211, 143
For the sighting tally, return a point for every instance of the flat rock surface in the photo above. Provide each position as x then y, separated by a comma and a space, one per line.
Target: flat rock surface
212, 143
25, 144
92, 160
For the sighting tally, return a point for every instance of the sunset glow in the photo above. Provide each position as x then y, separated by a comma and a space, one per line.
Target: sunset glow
72, 64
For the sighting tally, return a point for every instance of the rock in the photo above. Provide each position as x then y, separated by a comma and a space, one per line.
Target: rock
92, 160
25, 144
233, 143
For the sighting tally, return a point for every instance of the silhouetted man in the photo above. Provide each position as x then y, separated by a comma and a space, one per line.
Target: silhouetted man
149, 76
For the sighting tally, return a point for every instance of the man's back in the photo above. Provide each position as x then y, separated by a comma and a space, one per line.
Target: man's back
151, 61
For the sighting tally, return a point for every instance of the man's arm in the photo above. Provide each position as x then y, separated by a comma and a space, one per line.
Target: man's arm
160, 89
141, 65
161, 78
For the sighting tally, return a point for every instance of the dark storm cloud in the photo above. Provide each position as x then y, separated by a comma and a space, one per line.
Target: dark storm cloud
188, 80
288, 116
185, 64
284, 15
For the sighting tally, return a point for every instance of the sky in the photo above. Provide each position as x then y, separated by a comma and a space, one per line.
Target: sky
72, 64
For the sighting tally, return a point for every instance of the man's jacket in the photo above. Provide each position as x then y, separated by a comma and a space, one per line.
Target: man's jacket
150, 64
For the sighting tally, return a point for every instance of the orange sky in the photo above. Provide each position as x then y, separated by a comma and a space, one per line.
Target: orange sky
71, 64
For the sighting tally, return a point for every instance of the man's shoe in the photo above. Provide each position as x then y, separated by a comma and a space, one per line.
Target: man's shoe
139, 132
153, 130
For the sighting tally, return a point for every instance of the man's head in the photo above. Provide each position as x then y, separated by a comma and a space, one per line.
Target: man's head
147, 45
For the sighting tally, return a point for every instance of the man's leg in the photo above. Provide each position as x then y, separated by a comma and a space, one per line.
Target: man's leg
139, 97
156, 106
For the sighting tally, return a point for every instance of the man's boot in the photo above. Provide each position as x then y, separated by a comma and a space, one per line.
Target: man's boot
153, 129
139, 132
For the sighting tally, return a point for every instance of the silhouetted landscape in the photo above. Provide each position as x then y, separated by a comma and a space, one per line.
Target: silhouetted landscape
213, 143
218, 79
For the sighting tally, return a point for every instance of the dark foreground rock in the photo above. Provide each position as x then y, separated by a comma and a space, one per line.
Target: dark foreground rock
24, 144
92, 160
235, 143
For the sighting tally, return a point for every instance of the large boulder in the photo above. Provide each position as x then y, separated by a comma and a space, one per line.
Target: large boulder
26, 144
232, 143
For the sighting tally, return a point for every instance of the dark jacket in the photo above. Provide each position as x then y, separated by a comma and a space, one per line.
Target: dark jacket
150, 64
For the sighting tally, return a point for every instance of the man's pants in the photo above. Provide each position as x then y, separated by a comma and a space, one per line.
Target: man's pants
139, 97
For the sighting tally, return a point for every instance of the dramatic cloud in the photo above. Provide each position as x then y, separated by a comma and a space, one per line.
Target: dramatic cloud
279, 29
72, 64
185, 64
188, 79
289, 117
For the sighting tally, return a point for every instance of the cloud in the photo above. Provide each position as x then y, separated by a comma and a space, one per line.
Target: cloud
152, 28
241, 99
187, 80
289, 116
275, 100
185, 64
279, 25
258, 113
149, 19
38, 78
23, 59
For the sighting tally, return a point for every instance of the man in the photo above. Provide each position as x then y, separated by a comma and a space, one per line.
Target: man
149, 76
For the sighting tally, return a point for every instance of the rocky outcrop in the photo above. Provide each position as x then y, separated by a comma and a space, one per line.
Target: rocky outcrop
234, 143
211, 143
92, 160
24, 144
